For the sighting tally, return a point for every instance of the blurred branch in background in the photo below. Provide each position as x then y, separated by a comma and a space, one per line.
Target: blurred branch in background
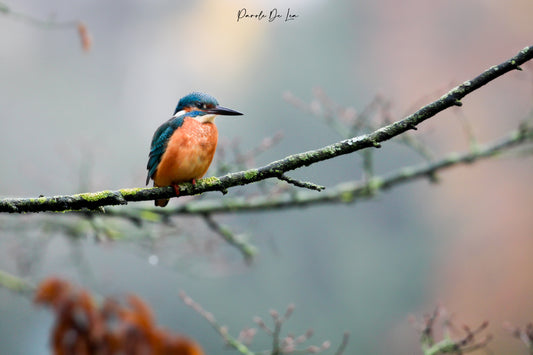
85, 37
525, 334
15, 284
276, 169
289, 344
242, 160
247, 250
448, 345
347, 122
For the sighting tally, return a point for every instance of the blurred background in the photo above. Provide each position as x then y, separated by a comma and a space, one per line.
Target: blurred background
73, 121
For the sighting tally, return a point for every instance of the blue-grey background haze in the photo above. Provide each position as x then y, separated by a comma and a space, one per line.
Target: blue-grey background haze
361, 268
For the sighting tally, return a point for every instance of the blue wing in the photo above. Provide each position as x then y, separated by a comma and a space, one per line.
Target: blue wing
159, 144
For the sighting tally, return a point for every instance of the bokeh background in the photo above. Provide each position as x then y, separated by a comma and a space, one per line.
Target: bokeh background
72, 120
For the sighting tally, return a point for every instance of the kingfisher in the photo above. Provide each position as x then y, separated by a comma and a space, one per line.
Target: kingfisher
183, 147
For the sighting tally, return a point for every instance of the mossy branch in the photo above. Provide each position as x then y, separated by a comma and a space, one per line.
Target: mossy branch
345, 192
276, 169
15, 283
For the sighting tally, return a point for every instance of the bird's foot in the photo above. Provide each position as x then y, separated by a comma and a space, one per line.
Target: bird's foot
193, 182
176, 189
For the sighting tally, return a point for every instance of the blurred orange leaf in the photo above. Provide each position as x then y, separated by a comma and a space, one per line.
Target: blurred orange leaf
82, 327
85, 37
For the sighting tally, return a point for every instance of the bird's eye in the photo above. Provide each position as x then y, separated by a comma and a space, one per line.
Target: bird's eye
202, 106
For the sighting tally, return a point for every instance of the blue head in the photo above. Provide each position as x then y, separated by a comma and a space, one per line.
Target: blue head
197, 105
200, 104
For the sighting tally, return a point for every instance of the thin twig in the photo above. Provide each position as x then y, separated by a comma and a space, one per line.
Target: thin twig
35, 20
247, 250
83, 32
303, 184
231, 341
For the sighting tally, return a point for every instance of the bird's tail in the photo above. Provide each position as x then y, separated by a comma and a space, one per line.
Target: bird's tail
161, 203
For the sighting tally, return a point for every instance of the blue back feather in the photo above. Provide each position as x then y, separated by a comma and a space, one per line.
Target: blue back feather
163, 133
159, 143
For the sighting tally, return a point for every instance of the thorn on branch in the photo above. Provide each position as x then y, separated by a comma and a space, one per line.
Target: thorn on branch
304, 184
457, 103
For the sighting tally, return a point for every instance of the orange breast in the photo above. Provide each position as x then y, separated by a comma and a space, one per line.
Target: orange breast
189, 153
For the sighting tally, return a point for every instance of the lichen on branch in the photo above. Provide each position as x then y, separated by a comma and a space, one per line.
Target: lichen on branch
276, 169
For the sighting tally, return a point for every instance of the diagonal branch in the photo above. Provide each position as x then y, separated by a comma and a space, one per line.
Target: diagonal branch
16, 284
345, 192
274, 169
247, 250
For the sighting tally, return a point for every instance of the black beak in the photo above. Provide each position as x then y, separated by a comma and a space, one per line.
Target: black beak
219, 110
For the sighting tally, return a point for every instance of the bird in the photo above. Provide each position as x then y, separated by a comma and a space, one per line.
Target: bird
183, 147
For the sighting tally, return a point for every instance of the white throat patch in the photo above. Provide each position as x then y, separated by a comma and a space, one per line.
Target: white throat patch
205, 118
202, 119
